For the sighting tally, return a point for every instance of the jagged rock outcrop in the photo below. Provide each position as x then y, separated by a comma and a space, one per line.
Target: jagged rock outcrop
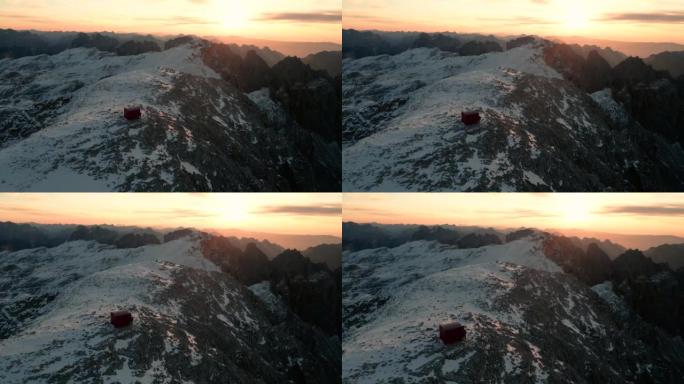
310, 290
328, 254
592, 267
477, 240
177, 234
328, 61
520, 41
474, 48
132, 47
135, 240
671, 254
437, 233
519, 234
95, 40
95, 233
438, 40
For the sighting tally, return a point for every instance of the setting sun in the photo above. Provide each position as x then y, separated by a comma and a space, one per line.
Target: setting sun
610, 19
310, 214
575, 209
307, 20
576, 20
609, 212
235, 15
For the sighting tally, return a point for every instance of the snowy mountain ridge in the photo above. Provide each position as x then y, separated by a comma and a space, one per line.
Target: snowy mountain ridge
62, 127
192, 323
539, 132
526, 320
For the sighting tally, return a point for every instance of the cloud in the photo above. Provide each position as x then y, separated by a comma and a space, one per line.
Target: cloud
646, 210
368, 211
28, 211
304, 17
304, 210
179, 20
18, 16
176, 213
520, 20
653, 17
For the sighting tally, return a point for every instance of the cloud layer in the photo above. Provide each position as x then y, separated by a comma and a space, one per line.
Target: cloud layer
304, 210
304, 17
654, 17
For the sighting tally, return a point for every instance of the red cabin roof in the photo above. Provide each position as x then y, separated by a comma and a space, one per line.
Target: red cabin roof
121, 318
451, 332
470, 117
132, 112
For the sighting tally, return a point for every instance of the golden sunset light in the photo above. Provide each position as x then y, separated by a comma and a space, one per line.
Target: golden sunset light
602, 212
644, 21
305, 20
281, 213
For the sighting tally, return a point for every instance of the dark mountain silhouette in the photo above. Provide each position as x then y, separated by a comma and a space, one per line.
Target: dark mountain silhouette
14, 237
310, 290
328, 254
131, 47
672, 62
328, 61
474, 48
612, 57
651, 97
437, 233
438, 40
670, 254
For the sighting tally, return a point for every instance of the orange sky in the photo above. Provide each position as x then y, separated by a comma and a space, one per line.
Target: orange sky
633, 213
282, 20
283, 213
622, 20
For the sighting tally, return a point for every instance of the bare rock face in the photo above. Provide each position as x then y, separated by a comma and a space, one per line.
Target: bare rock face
592, 267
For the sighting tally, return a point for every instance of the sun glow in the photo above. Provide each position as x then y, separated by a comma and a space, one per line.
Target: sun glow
606, 212
296, 213
576, 20
264, 19
234, 15
576, 210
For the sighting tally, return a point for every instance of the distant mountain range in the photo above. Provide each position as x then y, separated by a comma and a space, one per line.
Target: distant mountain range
291, 48
18, 236
671, 254
300, 242
640, 49
636, 241
359, 236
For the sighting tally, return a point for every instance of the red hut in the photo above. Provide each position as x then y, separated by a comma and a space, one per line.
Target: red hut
132, 112
470, 117
451, 332
121, 318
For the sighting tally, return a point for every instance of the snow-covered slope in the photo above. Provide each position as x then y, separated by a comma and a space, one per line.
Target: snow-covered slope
62, 126
402, 128
526, 320
192, 323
